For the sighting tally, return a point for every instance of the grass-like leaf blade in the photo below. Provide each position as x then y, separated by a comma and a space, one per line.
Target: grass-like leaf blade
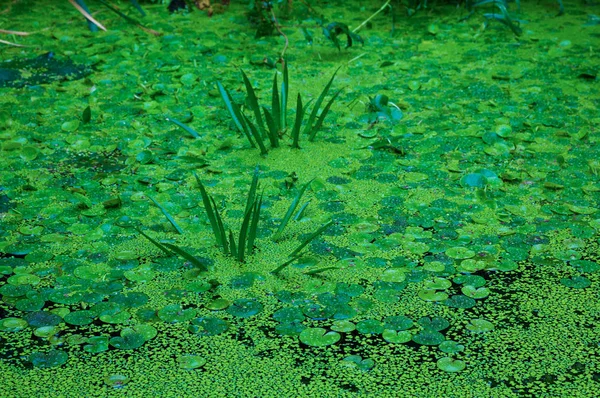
254, 103
315, 110
155, 243
234, 110
282, 266
297, 123
276, 105
285, 88
253, 228
290, 211
166, 213
210, 212
272, 131
187, 256
190, 130
311, 237
257, 136
319, 123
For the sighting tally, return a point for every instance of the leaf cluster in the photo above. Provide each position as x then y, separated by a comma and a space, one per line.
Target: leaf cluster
270, 125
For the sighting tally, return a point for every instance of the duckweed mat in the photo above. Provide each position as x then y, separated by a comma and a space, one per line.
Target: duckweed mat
439, 237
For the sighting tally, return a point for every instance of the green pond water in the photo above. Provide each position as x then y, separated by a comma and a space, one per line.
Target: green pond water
435, 234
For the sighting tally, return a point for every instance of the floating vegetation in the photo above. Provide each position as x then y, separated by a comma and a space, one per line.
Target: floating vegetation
422, 246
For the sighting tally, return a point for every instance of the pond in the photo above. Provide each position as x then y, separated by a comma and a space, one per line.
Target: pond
299, 198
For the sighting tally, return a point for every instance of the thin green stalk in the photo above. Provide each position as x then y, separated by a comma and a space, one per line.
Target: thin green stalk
272, 131
257, 136
315, 110
276, 105
317, 127
290, 211
254, 104
282, 266
254, 224
191, 131
297, 123
285, 86
210, 213
166, 213
310, 238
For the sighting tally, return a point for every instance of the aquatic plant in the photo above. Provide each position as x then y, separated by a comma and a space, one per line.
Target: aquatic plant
274, 124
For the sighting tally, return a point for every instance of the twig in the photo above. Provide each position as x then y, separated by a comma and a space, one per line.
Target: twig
87, 15
287, 42
14, 32
371, 17
11, 43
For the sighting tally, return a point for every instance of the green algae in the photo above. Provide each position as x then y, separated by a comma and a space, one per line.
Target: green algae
482, 198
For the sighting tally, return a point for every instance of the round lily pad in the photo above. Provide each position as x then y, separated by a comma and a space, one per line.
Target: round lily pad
356, 361
48, 359
42, 318
480, 326
46, 331
460, 301
12, 324
79, 318
451, 347
397, 337
459, 253
343, 326
128, 340
173, 313
436, 323
208, 326
318, 337
218, 304
393, 275
369, 326
432, 295
288, 314
190, 362
428, 337
476, 293
116, 380
96, 344
451, 365
244, 308
397, 322
576, 282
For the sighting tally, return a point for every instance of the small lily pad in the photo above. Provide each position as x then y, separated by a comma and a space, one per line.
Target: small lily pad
451, 347
12, 324
451, 365
369, 326
460, 253
174, 313
318, 337
398, 322
96, 344
288, 314
190, 362
460, 301
576, 282
428, 337
343, 326
397, 337
80, 318
128, 340
48, 359
244, 308
208, 326
480, 326
356, 361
